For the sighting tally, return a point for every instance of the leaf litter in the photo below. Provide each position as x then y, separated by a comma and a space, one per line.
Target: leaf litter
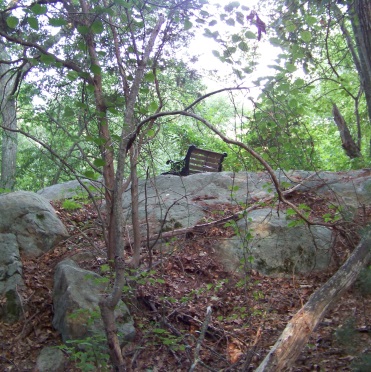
170, 302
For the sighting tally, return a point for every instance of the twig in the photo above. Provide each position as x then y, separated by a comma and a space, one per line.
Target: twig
200, 339
250, 353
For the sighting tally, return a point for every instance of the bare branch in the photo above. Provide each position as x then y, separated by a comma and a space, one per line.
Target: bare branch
296, 334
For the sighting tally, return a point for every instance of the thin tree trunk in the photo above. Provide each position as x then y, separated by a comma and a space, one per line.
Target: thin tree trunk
9, 121
361, 23
9, 144
109, 303
296, 334
135, 208
348, 144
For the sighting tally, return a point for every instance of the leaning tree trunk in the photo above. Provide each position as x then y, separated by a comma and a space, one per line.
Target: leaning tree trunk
9, 124
348, 144
296, 334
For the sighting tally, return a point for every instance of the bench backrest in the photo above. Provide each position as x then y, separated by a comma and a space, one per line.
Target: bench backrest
199, 160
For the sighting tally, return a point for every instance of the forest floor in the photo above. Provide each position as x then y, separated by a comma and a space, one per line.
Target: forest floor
170, 302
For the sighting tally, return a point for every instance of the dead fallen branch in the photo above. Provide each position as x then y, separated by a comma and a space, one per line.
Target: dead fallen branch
296, 334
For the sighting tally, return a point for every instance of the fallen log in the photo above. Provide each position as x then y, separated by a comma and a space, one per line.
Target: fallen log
296, 334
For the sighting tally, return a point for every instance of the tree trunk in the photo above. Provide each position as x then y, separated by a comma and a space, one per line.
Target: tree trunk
296, 334
9, 145
135, 261
348, 144
361, 23
109, 303
9, 121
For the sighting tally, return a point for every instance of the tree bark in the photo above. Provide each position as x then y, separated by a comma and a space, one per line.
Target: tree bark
135, 261
109, 303
361, 24
348, 144
9, 121
296, 334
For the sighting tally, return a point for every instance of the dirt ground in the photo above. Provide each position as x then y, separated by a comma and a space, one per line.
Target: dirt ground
169, 306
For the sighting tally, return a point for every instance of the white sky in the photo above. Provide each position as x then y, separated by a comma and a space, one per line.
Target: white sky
203, 47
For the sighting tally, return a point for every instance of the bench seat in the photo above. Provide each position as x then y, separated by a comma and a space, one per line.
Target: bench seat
197, 161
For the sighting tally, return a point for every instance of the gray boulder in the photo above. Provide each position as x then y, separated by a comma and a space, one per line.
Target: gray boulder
50, 359
10, 279
29, 224
266, 243
32, 220
76, 296
70, 189
174, 202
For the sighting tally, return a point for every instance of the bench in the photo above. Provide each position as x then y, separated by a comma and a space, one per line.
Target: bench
197, 161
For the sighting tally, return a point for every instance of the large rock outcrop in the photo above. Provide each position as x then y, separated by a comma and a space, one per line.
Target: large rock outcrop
170, 202
28, 224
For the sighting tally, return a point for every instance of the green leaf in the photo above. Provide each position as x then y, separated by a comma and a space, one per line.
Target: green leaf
83, 30
123, 3
39, 9
57, 22
47, 59
247, 70
240, 18
229, 51
230, 22
149, 77
90, 174
95, 69
250, 35
310, 20
231, 6
72, 75
293, 103
83, 74
159, 330
208, 33
290, 67
187, 24
69, 111
290, 26
306, 36
99, 162
12, 22
97, 27
150, 133
216, 53
90, 88
33, 22
99, 141
213, 23
113, 110
275, 41
236, 38
153, 106
81, 105
243, 46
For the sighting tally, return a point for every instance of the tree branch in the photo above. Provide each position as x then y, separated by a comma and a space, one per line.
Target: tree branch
296, 334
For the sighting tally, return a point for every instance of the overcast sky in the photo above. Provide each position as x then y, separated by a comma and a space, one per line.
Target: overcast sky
203, 47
